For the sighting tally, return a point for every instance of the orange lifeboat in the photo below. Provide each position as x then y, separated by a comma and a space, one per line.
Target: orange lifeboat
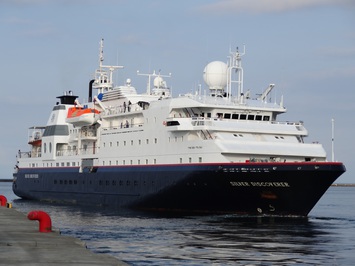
79, 116
36, 137
35, 142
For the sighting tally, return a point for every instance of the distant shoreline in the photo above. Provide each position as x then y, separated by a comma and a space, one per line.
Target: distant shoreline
333, 185
343, 185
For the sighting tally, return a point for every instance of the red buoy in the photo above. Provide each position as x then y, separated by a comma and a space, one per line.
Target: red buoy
3, 200
45, 222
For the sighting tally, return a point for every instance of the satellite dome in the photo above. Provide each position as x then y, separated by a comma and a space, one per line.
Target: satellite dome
215, 75
158, 82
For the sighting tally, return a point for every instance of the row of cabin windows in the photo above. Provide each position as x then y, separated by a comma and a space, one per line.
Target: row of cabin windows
241, 136
146, 161
124, 143
104, 182
239, 116
244, 116
62, 164
114, 182
111, 163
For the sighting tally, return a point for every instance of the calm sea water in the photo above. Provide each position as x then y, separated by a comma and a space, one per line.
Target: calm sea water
326, 237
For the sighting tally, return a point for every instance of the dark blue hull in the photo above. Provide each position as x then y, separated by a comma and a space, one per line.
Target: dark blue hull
245, 188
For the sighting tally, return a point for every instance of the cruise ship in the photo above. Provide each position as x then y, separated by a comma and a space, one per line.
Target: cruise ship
218, 150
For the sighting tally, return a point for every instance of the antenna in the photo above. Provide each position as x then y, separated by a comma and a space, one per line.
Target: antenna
150, 76
333, 139
101, 53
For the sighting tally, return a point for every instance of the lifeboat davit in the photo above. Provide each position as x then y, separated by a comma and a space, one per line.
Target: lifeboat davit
79, 116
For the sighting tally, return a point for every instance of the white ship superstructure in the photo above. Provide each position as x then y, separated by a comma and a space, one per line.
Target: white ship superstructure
154, 128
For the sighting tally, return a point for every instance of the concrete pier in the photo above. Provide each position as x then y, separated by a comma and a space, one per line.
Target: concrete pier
21, 243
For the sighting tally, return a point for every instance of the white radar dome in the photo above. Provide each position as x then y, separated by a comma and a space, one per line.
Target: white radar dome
215, 75
158, 82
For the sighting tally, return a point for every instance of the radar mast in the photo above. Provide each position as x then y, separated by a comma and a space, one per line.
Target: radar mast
103, 76
235, 73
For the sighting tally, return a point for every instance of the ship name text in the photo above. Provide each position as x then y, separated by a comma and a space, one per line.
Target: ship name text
31, 176
260, 184
195, 147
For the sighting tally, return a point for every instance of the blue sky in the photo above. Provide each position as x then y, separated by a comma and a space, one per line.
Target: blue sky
305, 47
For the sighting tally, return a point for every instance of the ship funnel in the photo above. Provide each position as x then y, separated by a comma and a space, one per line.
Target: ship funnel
215, 77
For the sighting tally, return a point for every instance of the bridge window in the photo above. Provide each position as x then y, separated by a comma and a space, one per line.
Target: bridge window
266, 118
235, 116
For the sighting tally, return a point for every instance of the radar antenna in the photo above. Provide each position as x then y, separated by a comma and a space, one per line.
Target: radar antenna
150, 78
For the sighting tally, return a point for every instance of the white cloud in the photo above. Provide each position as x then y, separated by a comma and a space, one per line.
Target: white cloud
268, 6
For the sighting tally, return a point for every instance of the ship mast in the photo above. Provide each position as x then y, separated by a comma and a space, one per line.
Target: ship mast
235, 74
104, 75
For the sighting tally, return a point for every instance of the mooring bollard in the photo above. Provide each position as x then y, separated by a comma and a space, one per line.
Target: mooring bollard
3, 200
45, 222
